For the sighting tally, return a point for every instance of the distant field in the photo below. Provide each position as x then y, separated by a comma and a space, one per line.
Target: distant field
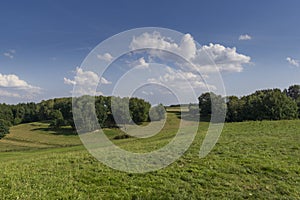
252, 160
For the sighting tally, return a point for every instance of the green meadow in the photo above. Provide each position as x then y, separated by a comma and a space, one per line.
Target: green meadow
251, 160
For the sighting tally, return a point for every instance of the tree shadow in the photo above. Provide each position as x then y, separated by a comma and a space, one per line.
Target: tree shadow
67, 131
185, 115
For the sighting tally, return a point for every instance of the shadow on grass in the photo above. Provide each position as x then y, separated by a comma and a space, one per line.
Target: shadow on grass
68, 131
185, 115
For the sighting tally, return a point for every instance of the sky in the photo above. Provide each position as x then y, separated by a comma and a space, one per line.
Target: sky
44, 46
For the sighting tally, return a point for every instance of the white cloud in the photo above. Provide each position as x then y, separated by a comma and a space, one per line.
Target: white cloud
9, 53
104, 81
106, 57
13, 81
245, 37
204, 61
5, 93
12, 86
177, 78
186, 48
225, 58
86, 82
85, 78
140, 63
69, 81
293, 61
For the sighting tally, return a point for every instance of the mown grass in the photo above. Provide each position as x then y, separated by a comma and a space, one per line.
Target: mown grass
252, 160
37, 135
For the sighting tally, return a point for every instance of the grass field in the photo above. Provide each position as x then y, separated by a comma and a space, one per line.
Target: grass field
252, 160
36, 136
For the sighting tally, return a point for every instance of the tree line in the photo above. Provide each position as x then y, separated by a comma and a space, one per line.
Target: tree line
269, 104
58, 112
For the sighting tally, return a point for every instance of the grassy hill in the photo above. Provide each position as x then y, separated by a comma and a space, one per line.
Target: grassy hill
36, 136
252, 160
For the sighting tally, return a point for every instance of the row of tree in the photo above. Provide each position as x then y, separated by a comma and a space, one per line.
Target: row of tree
270, 104
59, 112
113, 111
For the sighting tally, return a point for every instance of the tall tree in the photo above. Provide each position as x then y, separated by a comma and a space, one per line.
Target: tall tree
211, 103
235, 108
57, 119
293, 91
139, 109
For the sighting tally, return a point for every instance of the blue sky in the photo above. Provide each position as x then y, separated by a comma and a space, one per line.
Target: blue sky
42, 42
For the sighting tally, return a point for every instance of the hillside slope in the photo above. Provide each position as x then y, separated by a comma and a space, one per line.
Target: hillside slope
252, 160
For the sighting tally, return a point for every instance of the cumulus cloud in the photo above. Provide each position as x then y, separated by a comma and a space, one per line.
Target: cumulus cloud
86, 82
186, 48
140, 63
204, 61
106, 57
13, 81
10, 54
292, 61
203, 58
245, 37
12, 86
225, 58
86, 78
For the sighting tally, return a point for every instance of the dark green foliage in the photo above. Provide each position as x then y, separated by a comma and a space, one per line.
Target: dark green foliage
269, 104
6, 114
211, 104
298, 104
235, 108
139, 110
57, 119
25, 112
59, 112
45, 109
4, 128
293, 91
64, 105
205, 104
